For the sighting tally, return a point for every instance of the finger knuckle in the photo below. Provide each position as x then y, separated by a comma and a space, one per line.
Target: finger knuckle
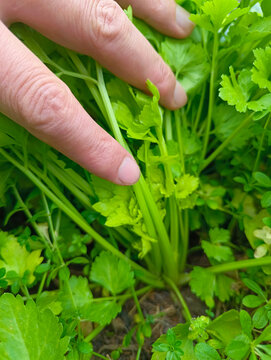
42, 102
108, 21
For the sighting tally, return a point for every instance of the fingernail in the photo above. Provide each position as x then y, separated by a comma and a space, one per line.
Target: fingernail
128, 171
180, 96
182, 19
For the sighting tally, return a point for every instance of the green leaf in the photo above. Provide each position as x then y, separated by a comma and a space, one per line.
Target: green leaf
265, 235
263, 351
101, 312
262, 179
261, 72
217, 14
153, 89
2, 272
75, 296
42, 268
266, 200
260, 318
138, 125
187, 60
224, 287
13, 131
49, 300
204, 351
64, 274
5, 176
252, 285
266, 7
27, 333
85, 348
191, 142
239, 347
264, 336
186, 185
253, 223
218, 235
6, 140
261, 251
262, 106
226, 121
157, 355
16, 258
237, 91
112, 273
226, 327
252, 301
202, 283
117, 203
216, 251
246, 323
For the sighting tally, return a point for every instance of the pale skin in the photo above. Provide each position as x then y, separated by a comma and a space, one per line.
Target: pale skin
31, 95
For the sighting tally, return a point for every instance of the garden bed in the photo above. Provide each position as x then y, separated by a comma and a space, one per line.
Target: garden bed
177, 266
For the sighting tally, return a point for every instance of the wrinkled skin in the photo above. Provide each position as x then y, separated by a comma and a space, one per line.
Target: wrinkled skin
34, 97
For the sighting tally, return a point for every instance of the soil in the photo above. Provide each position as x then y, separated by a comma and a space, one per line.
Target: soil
152, 303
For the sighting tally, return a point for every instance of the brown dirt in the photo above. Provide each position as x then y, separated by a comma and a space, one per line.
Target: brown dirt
153, 303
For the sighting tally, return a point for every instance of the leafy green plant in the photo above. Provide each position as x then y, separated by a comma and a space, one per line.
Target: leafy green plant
204, 189
230, 336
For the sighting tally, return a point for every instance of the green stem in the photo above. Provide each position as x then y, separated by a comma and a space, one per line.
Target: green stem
48, 182
138, 352
182, 226
164, 153
125, 233
226, 142
180, 141
26, 292
174, 226
54, 238
242, 264
92, 88
35, 226
138, 307
185, 241
124, 296
41, 285
146, 202
184, 118
94, 333
51, 228
66, 181
211, 95
57, 166
99, 355
177, 292
145, 275
76, 75
149, 223
196, 123
169, 263
168, 125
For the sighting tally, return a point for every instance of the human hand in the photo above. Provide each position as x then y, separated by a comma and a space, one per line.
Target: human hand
34, 97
